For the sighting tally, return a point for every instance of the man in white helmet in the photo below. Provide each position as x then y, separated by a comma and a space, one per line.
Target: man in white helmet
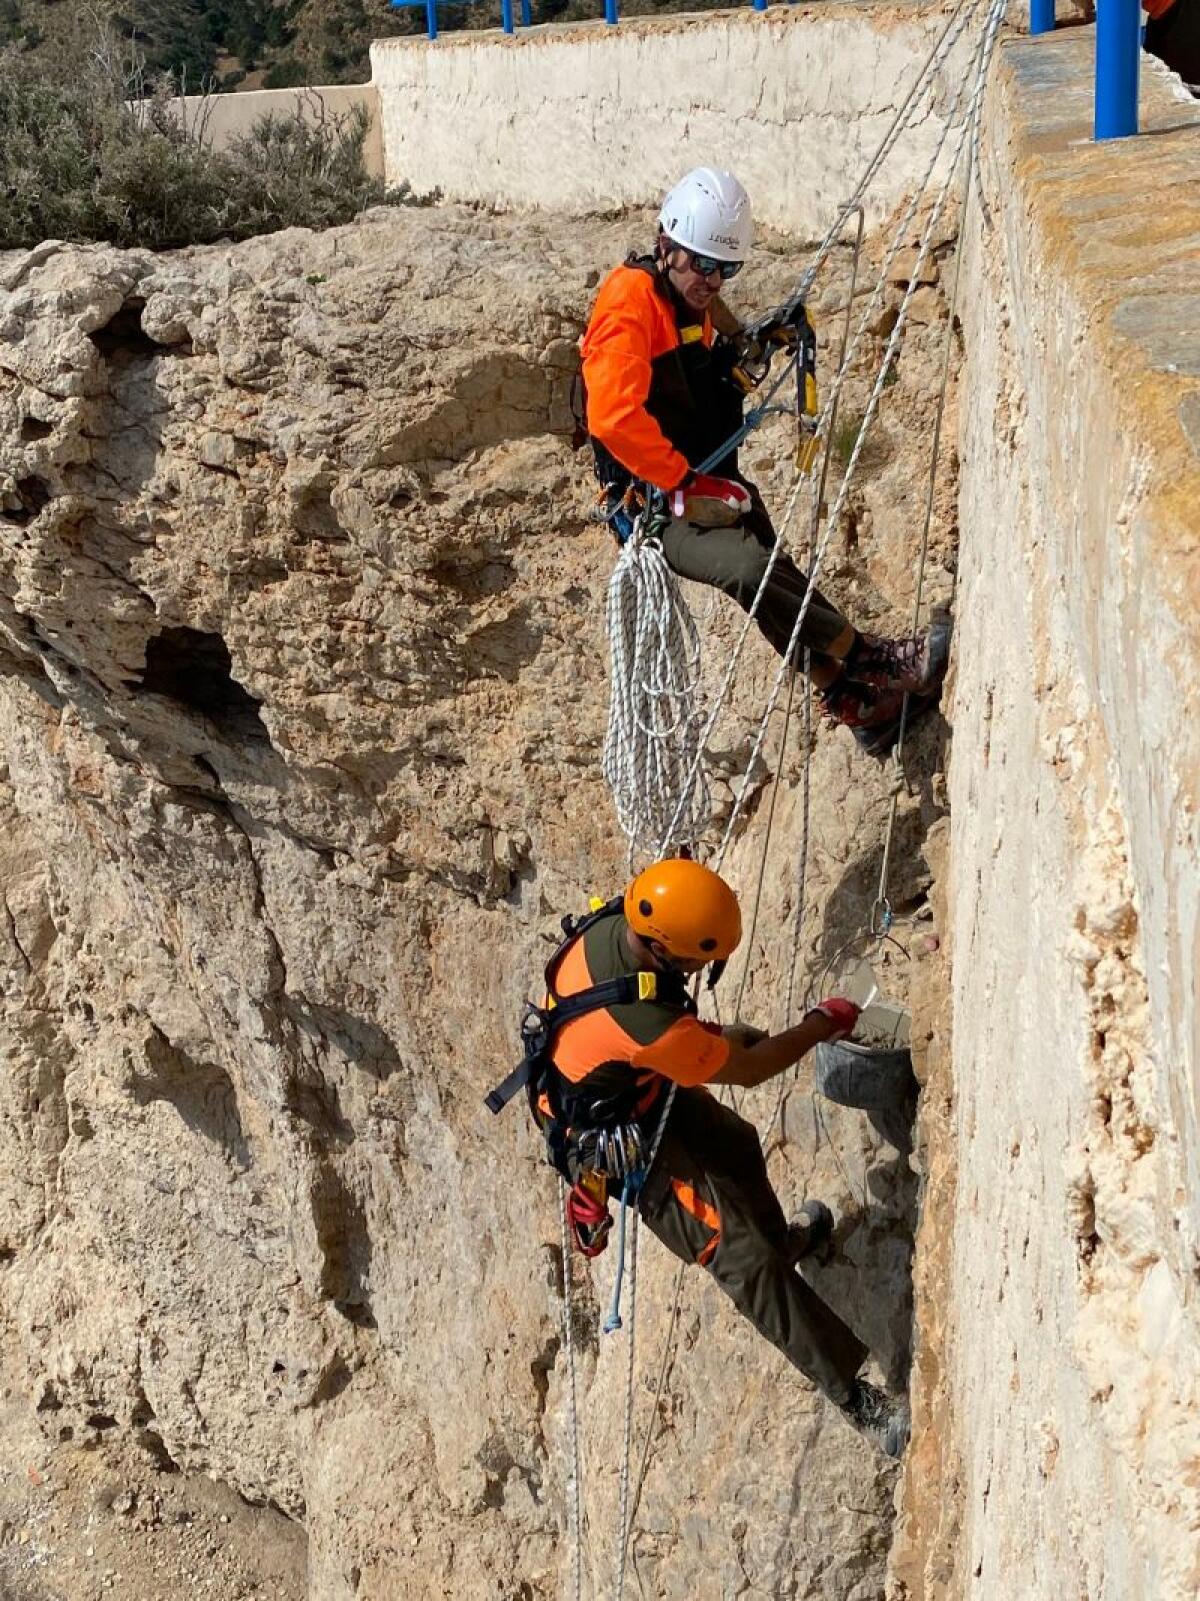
658, 356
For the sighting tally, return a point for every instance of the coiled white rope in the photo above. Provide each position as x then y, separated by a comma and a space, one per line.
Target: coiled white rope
653, 759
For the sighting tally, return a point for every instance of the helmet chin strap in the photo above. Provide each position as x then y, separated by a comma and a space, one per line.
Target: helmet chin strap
660, 956
663, 958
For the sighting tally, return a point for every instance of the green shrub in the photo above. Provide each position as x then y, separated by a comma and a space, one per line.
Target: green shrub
845, 436
285, 74
82, 157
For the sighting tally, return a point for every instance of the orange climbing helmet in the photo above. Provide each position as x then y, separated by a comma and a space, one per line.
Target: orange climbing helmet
685, 907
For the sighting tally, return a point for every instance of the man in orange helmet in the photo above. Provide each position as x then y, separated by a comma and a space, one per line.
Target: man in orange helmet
707, 1195
659, 355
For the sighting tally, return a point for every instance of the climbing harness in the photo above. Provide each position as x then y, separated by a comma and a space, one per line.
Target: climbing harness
535, 1073
592, 1140
626, 511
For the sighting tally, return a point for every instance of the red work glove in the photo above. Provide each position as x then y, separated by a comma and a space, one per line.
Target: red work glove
843, 1013
710, 502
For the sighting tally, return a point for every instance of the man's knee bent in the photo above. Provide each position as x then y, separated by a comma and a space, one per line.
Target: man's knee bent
747, 572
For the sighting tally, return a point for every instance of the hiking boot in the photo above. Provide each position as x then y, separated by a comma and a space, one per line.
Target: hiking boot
872, 716
859, 707
916, 664
886, 1423
809, 1230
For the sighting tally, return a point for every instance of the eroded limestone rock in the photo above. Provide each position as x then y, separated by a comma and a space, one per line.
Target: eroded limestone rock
302, 697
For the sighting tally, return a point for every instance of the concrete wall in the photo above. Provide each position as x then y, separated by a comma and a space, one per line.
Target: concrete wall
587, 117
1058, 1390
226, 117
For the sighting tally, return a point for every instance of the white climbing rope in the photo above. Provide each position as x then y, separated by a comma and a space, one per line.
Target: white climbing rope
662, 796
624, 1515
806, 787
627, 1429
968, 8
980, 62
981, 58
956, 24
652, 757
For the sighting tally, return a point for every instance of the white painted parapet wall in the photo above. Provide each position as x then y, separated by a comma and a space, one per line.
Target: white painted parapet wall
586, 117
1057, 1392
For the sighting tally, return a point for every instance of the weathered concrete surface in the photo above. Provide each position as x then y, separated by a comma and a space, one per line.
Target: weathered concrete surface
225, 117
302, 693
577, 118
1058, 1381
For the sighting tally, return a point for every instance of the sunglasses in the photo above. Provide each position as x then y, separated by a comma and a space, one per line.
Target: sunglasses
707, 265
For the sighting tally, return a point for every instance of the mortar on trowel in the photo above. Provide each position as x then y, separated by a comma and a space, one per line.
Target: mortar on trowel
873, 1070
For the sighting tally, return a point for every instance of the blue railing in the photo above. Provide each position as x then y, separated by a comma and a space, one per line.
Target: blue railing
611, 13
1118, 49
430, 9
506, 12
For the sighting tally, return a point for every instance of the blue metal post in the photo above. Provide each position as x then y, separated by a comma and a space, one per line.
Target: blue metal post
1118, 46
506, 21
610, 12
526, 14
759, 5
431, 18
1041, 16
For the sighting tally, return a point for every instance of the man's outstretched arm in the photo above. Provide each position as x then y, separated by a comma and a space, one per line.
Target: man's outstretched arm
751, 1065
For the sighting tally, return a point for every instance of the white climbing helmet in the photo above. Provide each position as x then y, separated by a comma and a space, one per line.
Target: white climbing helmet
709, 212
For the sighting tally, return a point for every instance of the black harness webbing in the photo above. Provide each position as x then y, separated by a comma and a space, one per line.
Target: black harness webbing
613, 992
542, 1023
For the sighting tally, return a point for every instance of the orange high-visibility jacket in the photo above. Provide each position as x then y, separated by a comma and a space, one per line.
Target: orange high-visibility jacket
657, 401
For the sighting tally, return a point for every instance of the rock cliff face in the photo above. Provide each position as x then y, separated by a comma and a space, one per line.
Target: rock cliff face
302, 690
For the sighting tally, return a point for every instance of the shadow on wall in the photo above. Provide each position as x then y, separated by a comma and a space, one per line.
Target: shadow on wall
201, 1092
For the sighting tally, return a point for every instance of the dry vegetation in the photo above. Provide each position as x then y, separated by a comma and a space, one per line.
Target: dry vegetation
273, 44
93, 147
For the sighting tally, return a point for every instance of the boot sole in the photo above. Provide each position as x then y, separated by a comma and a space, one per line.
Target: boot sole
879, 741
941, 632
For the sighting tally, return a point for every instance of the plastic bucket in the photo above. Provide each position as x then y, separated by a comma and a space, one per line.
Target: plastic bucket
879, 1082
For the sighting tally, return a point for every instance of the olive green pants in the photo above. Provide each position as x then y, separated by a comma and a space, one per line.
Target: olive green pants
734, 560
709, 1200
